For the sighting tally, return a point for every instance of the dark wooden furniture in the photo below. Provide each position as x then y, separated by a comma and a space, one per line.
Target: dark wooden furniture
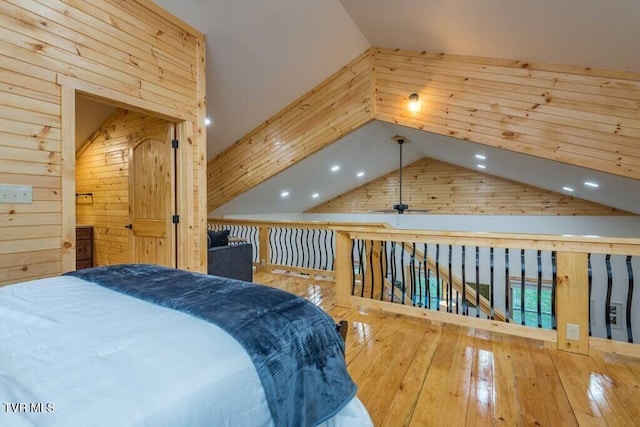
84, 246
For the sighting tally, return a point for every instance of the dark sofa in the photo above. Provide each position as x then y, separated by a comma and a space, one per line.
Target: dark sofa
234, 261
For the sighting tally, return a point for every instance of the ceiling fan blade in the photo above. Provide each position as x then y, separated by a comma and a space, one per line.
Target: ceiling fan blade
384, 211
417, 211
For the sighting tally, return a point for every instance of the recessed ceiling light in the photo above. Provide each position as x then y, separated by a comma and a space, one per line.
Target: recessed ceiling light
284, 194
591, 184
207, 121
481, 166
569, 189
481, 157
360, 174
335, 168
315, 195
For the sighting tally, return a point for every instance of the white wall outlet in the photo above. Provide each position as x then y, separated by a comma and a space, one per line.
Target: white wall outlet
573, 332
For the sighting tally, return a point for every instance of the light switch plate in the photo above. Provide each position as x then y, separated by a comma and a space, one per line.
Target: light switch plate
13, 194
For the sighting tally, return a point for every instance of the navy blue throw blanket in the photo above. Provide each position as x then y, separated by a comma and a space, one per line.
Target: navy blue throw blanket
292, 343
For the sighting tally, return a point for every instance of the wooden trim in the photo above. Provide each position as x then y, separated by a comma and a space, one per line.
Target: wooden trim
122, 100
201, 131
186, 240
263, 248
309, 271
617, 347
68, 165
456, 319
343, 270
572, 300
373, 84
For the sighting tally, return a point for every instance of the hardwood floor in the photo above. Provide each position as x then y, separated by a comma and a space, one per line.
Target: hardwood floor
415, 372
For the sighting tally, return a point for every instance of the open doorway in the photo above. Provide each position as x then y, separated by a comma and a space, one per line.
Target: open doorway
125, 186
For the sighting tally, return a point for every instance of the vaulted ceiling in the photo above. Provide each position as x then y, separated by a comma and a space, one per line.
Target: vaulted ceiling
263, 55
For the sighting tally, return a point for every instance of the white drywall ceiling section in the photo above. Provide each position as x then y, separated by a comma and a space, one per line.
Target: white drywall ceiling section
262, 55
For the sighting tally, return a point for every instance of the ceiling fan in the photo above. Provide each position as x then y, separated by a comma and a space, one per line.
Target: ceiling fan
400, 208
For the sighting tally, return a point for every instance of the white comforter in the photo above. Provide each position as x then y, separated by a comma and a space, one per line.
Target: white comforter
75, 354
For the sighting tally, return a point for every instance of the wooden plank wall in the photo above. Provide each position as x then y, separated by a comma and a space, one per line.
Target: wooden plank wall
446, 189
336, 107
131, 49
576, 115
102, 168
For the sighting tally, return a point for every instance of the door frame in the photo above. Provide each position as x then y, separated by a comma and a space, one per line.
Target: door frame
185, 177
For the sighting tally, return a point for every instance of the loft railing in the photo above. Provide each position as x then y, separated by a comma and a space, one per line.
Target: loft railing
302, 247
528, 285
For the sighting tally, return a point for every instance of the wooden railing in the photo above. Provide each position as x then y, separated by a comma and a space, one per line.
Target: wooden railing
479, 280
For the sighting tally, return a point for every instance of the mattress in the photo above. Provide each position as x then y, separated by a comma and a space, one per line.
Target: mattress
75, 353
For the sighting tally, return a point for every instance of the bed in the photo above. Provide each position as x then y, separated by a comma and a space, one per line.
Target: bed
77, 351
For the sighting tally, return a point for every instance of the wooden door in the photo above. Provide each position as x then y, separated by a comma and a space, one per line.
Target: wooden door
152, 199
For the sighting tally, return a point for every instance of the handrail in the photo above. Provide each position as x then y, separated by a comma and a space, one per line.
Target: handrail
384, 231
551, 242
332, 225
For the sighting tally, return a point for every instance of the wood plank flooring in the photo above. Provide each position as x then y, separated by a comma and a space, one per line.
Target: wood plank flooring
415, 372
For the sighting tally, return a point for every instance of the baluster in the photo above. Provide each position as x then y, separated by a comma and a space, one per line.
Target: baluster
418, 297
554, 283
353, 268
322, 242
296, 246
507, 285
608, 301
393, 270
491, 283
331, 257
539, 289
412, 274
404, 283
256, 244
373, 276
383, 270
278, 255
477, 281
316, 248
590, 288
427, 279
450, 284
465, 308
361, 261
629, 299
522, 286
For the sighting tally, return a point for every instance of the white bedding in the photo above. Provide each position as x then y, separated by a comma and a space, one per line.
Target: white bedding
93, 357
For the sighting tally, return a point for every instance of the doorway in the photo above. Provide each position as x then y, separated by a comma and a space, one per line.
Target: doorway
126, 187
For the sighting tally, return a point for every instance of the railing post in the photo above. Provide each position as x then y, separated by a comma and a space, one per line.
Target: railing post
344, 269
263, 249
572, 303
